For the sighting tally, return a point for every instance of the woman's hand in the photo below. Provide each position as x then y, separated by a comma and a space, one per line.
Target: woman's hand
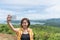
9, 18
10, 24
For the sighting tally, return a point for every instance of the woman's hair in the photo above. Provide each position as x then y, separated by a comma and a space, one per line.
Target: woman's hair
26, 20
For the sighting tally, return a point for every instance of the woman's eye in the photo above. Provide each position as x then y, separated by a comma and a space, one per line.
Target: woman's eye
24, 22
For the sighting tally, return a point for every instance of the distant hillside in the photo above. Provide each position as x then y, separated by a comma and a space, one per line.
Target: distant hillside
50, 22
53, 22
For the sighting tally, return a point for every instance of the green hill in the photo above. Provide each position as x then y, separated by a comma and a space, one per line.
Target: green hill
41, 32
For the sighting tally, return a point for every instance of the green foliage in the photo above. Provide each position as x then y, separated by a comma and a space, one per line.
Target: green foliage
5, 29
41, 32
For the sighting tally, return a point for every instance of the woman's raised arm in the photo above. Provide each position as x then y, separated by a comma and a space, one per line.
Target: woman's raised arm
10, 24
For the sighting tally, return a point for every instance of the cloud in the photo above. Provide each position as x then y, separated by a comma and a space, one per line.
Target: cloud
19, 15
30, 2
55, 8
32, 9
4, 13
53, 11
35, 16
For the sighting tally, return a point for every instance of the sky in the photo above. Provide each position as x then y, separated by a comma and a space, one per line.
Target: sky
32, 9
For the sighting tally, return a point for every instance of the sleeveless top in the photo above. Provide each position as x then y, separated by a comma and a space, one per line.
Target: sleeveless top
25, 37
20, 35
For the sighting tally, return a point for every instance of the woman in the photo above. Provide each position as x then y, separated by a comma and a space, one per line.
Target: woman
23, 33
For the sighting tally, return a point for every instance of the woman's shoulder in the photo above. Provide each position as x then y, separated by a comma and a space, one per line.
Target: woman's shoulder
30, 29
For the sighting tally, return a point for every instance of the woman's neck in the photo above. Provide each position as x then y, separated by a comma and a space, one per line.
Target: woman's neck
25, 28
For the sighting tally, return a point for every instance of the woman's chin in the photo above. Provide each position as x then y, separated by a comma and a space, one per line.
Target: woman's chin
24, 27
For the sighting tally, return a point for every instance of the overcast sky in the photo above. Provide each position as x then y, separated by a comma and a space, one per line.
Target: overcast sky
32, 9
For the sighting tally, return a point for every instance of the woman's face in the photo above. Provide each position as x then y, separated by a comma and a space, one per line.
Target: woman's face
25, 24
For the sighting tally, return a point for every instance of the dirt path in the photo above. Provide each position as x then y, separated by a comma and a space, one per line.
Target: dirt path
7, 37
